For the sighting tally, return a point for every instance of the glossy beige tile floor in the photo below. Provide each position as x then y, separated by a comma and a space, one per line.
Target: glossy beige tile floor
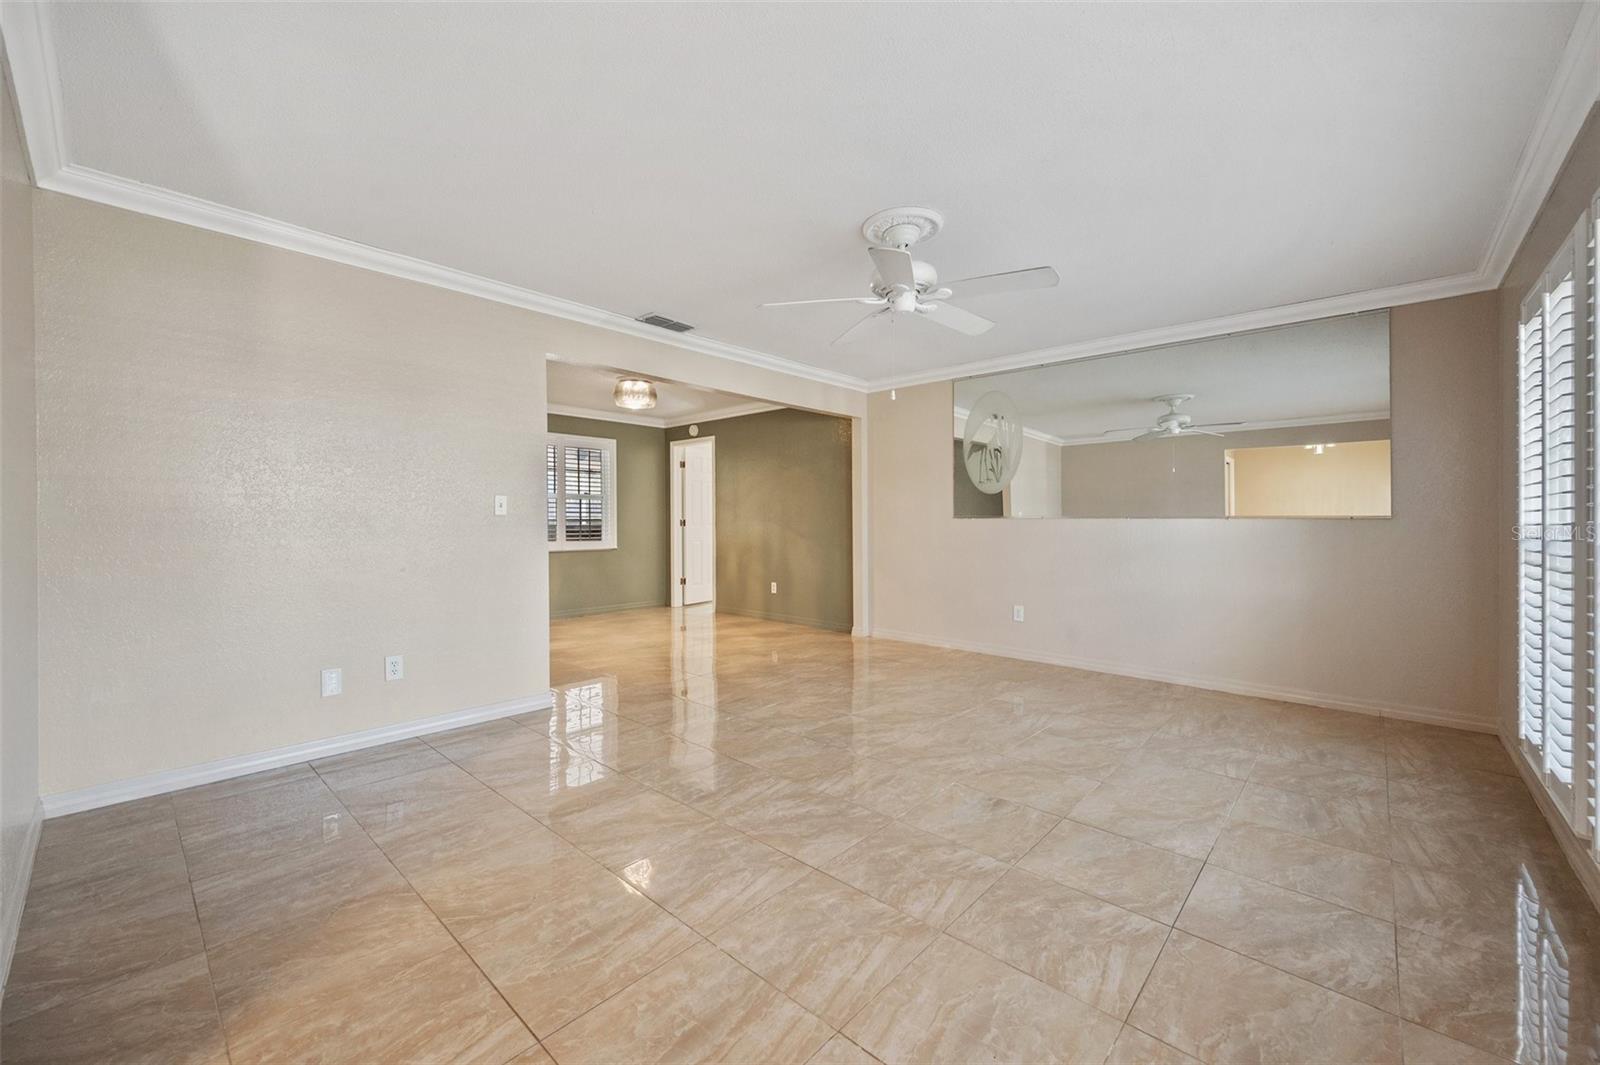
742, 841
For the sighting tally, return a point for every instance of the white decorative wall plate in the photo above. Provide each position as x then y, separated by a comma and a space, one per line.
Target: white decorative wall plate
992, 445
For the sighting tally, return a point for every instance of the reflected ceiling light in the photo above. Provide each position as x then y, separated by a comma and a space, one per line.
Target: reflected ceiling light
1318, 447
633, 393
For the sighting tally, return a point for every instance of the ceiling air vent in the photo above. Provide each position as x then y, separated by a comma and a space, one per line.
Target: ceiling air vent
663, 322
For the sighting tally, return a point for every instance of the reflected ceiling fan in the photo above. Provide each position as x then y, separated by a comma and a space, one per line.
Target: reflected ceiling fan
903, 287
1174, 423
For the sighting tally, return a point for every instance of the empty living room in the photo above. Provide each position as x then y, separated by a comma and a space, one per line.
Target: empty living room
780, 532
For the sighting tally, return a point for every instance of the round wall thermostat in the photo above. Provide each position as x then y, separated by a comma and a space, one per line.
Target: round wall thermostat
694, 430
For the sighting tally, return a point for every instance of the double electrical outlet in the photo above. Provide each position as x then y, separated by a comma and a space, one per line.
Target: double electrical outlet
394, 668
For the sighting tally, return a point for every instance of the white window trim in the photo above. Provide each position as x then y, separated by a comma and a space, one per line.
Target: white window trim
608, 538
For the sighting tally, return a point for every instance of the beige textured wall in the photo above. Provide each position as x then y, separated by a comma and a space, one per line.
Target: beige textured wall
783, 514
1363, 614
634, 573
254, 464
1347, 480
19, 600
1136, 480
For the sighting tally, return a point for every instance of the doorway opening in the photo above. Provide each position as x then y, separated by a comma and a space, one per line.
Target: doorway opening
665, 498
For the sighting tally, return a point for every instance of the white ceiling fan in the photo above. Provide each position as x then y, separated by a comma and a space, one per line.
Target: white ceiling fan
1174, 423
903, 287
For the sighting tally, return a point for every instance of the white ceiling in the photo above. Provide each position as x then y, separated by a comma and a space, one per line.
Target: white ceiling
1328, 371
574, 386
1175, 163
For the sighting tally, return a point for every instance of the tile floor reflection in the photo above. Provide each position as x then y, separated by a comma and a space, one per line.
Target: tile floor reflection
744, 841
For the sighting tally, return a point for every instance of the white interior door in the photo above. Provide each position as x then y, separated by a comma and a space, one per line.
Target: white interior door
695, 474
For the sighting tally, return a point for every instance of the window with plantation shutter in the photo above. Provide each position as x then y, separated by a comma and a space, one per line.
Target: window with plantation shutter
1555, 593
1530, 497
580, 492
1589, 742
551, 492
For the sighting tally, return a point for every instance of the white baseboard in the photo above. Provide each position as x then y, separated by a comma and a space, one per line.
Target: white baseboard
591, 611
91, 798
1583, 864
787, 619
1425, 714
17, 889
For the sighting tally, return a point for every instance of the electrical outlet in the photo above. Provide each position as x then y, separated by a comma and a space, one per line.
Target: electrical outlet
499, 506
332, 682
394, 667
774, 587
1016, 613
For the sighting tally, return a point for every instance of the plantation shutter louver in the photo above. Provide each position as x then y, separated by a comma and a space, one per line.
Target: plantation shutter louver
584, 497
550, 492
1530, 498
1588, 741
1555, 477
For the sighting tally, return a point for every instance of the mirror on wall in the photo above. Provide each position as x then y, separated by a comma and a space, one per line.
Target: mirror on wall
1291, 422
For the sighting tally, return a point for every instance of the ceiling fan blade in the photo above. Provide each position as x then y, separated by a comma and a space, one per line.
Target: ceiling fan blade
1192, 431
1127, 429
863, 327
894, 266
955, 318
1010, 281
1152, 434
1215, 425
870, 301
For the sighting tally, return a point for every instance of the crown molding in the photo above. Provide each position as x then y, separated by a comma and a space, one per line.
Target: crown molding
1289, 314
1574, 89
625, 417
1261, 425
113, 191
37, 84
962, 413
718, 414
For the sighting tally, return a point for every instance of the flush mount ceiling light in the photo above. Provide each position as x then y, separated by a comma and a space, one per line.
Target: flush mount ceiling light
1318, 448
633, 393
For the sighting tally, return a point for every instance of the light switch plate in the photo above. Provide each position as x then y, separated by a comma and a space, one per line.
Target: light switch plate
500, 506
332, 682
1016, 613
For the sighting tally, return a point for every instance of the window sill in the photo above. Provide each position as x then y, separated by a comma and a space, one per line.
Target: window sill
580, 547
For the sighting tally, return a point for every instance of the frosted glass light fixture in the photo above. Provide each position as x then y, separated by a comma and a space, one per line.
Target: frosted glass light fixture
632, 393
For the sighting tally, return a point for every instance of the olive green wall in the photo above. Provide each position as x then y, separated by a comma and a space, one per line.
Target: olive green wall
783, 514
635, 574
